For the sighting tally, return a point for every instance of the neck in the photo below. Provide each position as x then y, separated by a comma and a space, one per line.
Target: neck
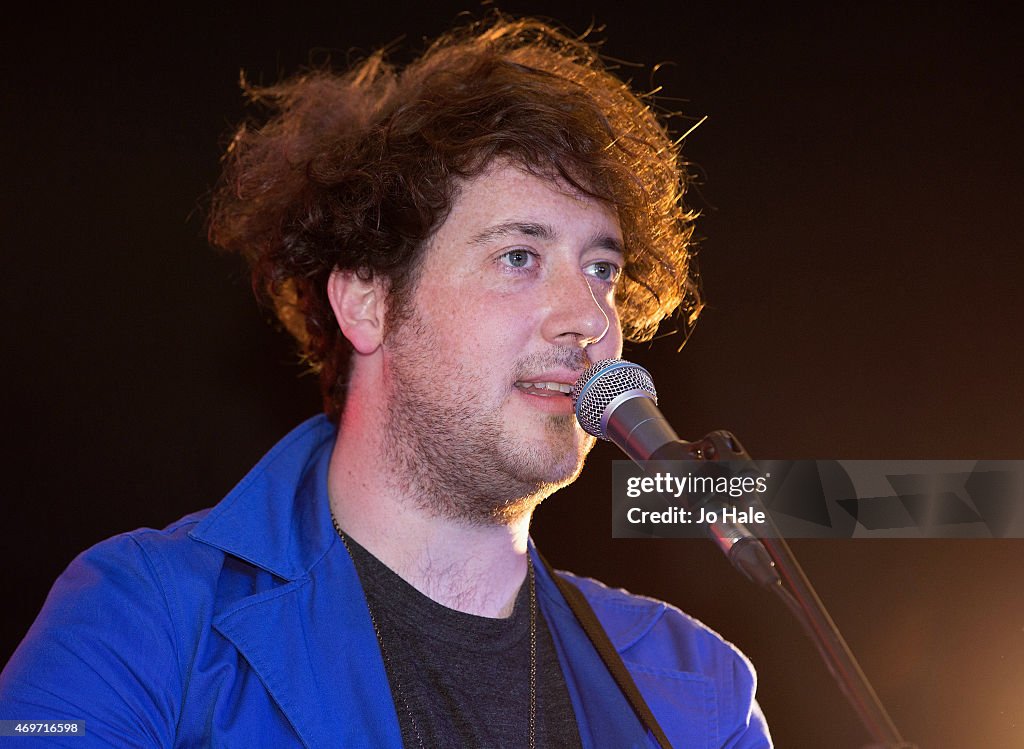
469, 566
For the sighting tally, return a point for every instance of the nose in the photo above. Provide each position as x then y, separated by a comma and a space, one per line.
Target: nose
577, 312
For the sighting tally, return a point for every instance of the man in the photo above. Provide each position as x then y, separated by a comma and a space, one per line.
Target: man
452, 246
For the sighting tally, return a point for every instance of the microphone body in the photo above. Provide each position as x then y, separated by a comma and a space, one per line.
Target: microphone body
637, 426
615, 400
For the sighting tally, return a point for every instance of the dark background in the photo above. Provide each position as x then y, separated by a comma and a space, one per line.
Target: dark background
861, 195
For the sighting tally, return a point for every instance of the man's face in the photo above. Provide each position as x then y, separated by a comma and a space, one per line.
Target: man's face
514, 300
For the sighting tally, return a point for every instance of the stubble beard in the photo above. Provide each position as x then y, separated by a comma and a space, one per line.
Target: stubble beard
450, 449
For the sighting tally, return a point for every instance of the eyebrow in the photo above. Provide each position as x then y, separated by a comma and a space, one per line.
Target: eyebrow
541, 231
509, 228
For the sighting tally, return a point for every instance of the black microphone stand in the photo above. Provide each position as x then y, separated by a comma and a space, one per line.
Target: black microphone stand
792, 586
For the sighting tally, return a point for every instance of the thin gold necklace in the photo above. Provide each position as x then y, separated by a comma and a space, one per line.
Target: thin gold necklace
394, 673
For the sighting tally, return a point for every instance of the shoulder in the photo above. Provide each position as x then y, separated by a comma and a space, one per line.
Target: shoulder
127, 586
647, 628
145, 563
115, 602
687, 672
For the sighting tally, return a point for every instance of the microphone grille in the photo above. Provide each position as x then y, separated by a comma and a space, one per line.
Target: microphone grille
602, 383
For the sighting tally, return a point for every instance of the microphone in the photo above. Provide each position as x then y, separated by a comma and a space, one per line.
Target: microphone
615, 400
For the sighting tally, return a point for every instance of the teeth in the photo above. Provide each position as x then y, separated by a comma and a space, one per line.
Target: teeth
556, 386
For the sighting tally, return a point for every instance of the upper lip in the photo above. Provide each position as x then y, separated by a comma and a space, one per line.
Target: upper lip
561, 376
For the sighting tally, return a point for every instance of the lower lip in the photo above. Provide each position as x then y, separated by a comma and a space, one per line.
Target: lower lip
554, 403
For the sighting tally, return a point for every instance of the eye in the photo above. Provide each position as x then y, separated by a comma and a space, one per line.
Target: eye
518, 258
604, 271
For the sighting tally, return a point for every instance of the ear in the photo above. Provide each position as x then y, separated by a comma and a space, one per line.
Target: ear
358, 306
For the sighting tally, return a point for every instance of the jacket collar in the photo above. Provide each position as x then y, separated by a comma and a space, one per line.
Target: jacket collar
273, 518
303, 634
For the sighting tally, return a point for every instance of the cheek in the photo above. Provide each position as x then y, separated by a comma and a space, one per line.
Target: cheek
613, 338
613, 341
476, 328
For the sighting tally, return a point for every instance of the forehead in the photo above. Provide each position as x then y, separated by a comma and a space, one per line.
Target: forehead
506, 198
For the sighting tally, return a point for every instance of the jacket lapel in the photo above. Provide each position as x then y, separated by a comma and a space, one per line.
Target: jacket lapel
308, 637
312, 644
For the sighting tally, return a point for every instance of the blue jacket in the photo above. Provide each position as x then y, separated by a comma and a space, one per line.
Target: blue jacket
245, 625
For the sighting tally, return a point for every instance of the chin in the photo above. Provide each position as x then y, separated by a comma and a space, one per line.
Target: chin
562, 468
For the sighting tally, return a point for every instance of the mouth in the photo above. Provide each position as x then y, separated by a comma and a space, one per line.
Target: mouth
545, 389
546, 386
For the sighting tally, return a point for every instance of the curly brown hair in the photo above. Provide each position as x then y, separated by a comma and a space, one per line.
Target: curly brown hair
355, 170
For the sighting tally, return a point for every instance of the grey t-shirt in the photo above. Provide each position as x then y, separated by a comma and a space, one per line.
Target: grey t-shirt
460, 680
